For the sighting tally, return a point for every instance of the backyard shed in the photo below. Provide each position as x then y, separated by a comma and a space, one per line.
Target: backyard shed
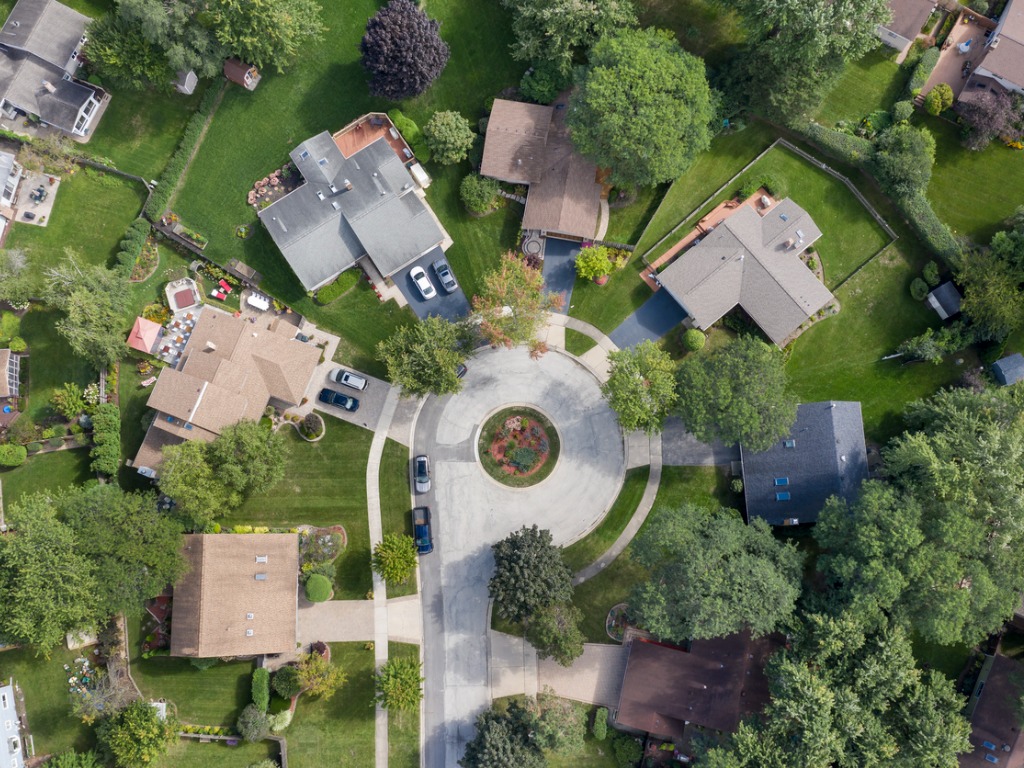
241, 73
945, 300
1009, 370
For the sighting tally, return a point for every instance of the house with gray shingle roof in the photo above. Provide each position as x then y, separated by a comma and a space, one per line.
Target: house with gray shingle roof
824, 455
11, 753
752, 260
908, 16
1009, 370
40, 52
350, 208
1004, 53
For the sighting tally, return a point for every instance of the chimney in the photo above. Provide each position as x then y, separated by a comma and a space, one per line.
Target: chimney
348, 184
210, 346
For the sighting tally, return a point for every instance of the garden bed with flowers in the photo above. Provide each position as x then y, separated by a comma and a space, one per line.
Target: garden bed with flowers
518, 447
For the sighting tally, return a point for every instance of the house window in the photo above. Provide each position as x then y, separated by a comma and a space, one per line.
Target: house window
789, 444
781, 481
782, 496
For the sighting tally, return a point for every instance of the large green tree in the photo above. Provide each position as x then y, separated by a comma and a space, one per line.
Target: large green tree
513, 304
449, 136
422, 358
248, 458
124, 57
394, 558
504, 740
903, 159
18, 283
266, 32
641, 386
554, 631
529, 574
399, 684
712, 575
651, 131
738, 394
136, 735
188, 478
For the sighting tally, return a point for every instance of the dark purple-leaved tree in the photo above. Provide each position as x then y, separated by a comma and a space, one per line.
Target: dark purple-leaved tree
986, 115
402, 51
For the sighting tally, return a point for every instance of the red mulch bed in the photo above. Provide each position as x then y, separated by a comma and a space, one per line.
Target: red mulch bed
530, 434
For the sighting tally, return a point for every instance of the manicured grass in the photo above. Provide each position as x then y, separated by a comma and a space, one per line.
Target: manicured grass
595, 754
45, 472
187, 752
395, 505
606, 306
596, 596
971, 191
140, 130
489, 432
338, 731
50, 363
324, 484
874, 82
596, 543
950, 660
404, 727
44, 683
704, 27
577, 343
626, 224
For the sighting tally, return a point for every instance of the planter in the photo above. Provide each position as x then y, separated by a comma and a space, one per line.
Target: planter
601, 280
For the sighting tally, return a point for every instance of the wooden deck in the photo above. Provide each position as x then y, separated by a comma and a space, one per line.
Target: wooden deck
362, 132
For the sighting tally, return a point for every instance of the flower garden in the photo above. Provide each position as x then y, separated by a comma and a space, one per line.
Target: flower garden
518, 447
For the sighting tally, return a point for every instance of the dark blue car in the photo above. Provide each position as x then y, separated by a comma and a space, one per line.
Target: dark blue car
331, 397
421, 530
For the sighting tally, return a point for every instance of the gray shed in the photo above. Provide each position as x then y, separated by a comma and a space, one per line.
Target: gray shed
1009, 370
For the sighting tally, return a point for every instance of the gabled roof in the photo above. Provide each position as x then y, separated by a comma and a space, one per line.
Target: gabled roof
908, 16
752, 261
515, 147
714, 684
144, 336
945, 300
1009, 370
23, 81
823, 455
995, 720
10, 745
1005, 52
228, 581
46, 29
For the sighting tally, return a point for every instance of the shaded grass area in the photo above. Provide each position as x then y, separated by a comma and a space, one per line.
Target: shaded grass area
596, 543
595, 597
395, 508
489, 432
874, 82
404, 727
45, 686
577, 343
45, 472
324, 484
950, 660
703, 27
51, 362
187, 752
595, 754
626, 223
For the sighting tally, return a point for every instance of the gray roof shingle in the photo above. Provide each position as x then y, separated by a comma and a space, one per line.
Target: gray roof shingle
1009, 370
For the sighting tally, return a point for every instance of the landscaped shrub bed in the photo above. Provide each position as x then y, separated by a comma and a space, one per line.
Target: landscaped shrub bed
518, 447
346, 281
923, 69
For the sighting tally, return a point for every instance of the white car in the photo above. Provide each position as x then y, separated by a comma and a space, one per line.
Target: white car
426, 288
349, 379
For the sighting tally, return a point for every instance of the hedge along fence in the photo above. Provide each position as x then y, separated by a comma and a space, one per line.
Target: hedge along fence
854, 150
160, 198
130, 247
922, 71
106, 436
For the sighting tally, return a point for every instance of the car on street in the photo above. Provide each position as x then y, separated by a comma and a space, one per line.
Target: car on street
422, 474
423, 284
348, 379
444, 274
421, 530
331, 397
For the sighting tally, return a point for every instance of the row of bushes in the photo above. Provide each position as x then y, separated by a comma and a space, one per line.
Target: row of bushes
922, 71
411, 133
207, 730
855, 150
132, 244
161, 196
345, 282
106, 437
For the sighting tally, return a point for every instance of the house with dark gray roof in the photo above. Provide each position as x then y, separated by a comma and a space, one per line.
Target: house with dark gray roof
11, 751
40, 52
823, 455
751, 259
1009, 370
945, 300
366, 205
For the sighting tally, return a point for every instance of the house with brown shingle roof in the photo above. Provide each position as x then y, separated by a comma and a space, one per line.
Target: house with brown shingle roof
529, 144
908, 16
751, 259
1003, 64
229, 371
994, 712
239, 597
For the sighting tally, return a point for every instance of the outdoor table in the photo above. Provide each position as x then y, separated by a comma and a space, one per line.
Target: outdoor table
257, 301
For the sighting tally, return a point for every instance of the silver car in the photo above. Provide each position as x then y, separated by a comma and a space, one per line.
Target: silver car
426, 288
444, 274
422, 474
349, 379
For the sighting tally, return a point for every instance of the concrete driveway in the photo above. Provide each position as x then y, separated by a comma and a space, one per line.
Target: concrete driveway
371, 399
559, 268
652, 320
471, 512
450, 306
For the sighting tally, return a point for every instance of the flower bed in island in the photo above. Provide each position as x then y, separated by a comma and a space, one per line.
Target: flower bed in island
518, 447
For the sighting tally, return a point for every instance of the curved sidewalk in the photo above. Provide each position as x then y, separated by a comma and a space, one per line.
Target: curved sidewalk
595, 359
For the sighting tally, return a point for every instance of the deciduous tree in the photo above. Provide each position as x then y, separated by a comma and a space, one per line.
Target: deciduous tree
248, 458
529, 574
554, 631
394, 558
18, 284
992, 294
449, 136
402, 51
136, 735
513, 305
188, 478
504, 740
651, 131
903, 159
398, 683
123, 56
986, 115
318, 676
265, 32
641, 386
253, 723
422, 358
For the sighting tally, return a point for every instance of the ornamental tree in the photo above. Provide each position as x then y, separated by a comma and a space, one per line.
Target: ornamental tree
286, 682
136, 735
318, 676
986, 116
402, 51
593, 262
18, 283
248, 457
513, 305
479, 194
399, 684
939, 99
253, 723
449, 136
422, 358
529, 574
554, 631
651, 131
504, 740
394, 558
641, 386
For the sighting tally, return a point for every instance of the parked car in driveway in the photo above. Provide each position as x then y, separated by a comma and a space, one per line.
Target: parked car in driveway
331, 397
444, 274
423, 284
348, 379
421, 530
422, 474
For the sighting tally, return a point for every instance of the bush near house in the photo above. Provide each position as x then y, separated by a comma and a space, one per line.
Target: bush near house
12, 455
345, 282
132, 244
411, 133
318, 588
261, 689
478, 194
922, 71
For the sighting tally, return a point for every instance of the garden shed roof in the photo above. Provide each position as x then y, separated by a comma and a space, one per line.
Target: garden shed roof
1009, 370
945, 300
144, 336
239, 597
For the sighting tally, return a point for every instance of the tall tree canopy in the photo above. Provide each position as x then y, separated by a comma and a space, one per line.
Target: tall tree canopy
18, 283
422, 358
529, 574
136, 735
641, 386
513, 304
504, 740
903, 159
265, 32
402, 51
651, 131
992, 280
738, 394
712, 575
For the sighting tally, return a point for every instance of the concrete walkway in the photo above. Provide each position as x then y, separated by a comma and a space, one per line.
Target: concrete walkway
353, 621
596, 359
602, 228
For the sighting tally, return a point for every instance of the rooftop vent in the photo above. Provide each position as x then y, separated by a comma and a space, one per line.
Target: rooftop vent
784, 217
261, 558
49, 86
250, 616
249, 633
335, 205
261, 577
332, 187
320, 194
210, 346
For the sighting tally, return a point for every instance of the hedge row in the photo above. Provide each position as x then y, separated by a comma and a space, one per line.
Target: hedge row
929, 227
131, 246
922, 71
412, 135
261, 689
106, 437
161, 197
855, 150
346, 280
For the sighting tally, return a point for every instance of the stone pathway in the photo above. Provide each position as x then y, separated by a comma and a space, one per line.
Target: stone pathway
602, 228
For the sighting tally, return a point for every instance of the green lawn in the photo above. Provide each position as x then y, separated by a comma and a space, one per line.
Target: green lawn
217, 754
595, 597
950, 660
972, 191
596, 543
626, 224
577, 343
606, 306
874, 82
338, 731
404, 727
324, 484
45, 685
704, 27
45, 472
50, 363
394, 501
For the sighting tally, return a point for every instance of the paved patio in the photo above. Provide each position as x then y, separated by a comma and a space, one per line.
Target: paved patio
951, 61
32, 182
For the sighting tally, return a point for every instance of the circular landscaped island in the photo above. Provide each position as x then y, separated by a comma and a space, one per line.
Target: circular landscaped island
518, 447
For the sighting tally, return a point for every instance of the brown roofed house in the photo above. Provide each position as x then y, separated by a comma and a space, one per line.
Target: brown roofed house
995, 716
240, 596
529, 144
1003, 65
714, 684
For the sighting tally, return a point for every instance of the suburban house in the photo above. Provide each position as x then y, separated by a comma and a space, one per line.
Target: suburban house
994, 712
908, 17
10, 173
667, 691
1009, 370
751, 259
229, 371
1003, 64
529, 144
823, 455
945, 300
40, 52
11, 754
10, 375
363, 205
239, 597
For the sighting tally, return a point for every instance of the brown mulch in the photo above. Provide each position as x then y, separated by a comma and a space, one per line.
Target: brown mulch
520, 438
